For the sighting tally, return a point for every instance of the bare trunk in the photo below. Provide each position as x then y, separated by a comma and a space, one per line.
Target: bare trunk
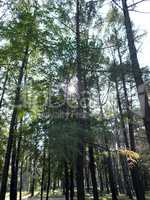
121, 116
49, 177
93, 173
12, 128
66, 181
20, 188
79, 162
43, 173
13, 184
4, 89
71, 183
142, 94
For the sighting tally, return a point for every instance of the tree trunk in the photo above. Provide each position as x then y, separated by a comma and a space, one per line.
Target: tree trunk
54, 185
43, 173
106, 181
136, 176
143, 98
49, 177
126, 177
121, 116
32, 187
101, 182
13, 183
118, 175
71, 183
4, 88
66, 181
93, 172
20, 188
137, 183
15, 163
12, 127
79, 161
80, 175
111, 177
87, 178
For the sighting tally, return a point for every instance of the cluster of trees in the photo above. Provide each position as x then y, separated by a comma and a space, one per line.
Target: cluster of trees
73, 100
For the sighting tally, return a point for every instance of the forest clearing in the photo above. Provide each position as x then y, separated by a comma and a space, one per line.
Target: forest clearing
74, 100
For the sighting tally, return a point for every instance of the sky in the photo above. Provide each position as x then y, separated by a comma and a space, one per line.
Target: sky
142, 22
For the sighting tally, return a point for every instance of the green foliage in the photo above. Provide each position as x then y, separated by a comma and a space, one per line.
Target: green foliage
47, 113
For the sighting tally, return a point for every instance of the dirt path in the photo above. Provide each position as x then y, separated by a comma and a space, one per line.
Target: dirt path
44, 198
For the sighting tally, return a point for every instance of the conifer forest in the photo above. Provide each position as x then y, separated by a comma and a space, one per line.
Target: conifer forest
74, 100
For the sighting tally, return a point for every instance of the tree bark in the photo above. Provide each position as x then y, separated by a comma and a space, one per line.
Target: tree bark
14, 168
4, 89
79, 161
111, 177
66, 181
101, 182
121, 116
13, 183
106, 181
12, 127
135, 172
142, 94
87, 178
49, 177
43, 173
20, 188
32, 187
80, 175
93, 172
71, 183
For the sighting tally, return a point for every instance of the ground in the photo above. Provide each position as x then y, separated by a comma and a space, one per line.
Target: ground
26, 196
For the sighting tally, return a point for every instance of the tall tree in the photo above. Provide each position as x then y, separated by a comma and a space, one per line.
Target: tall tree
142, 94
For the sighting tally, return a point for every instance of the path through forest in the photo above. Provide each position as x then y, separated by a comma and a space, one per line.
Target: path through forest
38, 198
44, 198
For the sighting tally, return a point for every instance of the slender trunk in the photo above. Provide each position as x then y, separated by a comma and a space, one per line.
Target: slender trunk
142, 94
54, 185
20, 188
15, 163
43, 174
87, 178
18, 149
137, 183
4, 89
131, 132
49, 177
125, 170
101, 182
121, 116
135, 172
66, 181
79, 162
126, 176
71, 183
12, 128
113, 186
111, 177
118, 176
130, 117
93, 172
13, 184
80, 175
32, 187
106, 181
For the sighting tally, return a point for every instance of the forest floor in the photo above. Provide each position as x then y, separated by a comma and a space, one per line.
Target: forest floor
26, 196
